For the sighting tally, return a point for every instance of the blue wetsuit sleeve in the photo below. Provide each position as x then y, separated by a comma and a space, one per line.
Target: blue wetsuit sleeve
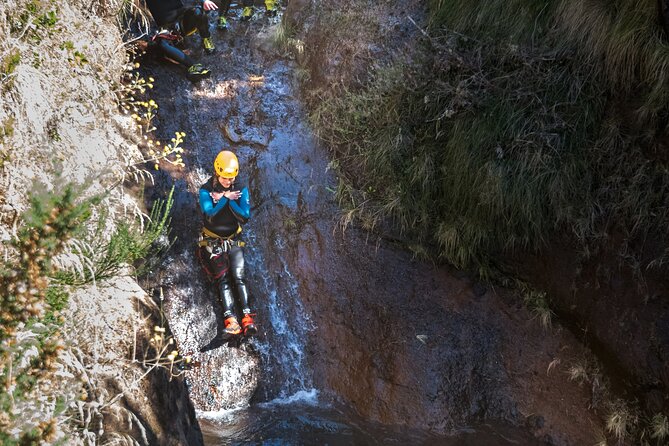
242, 206
207, 204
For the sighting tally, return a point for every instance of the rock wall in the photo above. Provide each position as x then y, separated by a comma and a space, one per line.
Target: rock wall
60, 69
621, 313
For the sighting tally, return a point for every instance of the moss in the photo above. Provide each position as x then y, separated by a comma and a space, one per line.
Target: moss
10, 61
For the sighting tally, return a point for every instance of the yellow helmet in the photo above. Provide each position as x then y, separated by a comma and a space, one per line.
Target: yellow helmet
226, 164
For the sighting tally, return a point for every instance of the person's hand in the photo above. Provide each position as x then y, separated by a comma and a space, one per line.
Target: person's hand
232, 195
216, 196
208, 5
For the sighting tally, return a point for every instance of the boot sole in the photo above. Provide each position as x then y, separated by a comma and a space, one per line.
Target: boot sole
198, 77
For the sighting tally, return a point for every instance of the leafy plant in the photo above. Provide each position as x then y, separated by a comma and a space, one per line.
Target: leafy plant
9, 62
99, 259
26, 303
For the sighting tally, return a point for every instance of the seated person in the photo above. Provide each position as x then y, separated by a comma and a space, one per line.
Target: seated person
176, 21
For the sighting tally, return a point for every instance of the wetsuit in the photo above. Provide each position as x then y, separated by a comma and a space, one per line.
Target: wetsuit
174, 16
222, 221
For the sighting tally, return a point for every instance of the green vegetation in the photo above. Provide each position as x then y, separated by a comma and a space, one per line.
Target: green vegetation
515, 122
283, 39
101, 259
9, 62
31, 303
625, 421
34, 20
538, 303
27, 301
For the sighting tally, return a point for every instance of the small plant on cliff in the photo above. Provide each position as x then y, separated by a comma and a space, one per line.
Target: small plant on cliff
284, 40
130, 96
8, 64
132, 99
34, 21
621, 420
162, 350
659, 428
99, 259
28, 308
537, 302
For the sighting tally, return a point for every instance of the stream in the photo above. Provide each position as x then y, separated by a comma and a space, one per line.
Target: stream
313, 374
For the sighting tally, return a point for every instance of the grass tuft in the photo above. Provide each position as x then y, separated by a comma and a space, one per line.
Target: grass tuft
659, 427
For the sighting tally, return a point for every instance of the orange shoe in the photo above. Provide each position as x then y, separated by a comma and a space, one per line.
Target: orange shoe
232, 326
248, 325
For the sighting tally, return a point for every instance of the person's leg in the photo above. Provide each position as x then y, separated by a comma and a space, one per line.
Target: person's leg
195, 70
247, 12
174, 53
217, 268
195, 19
227, 297
237, 270
230, 319
223, 8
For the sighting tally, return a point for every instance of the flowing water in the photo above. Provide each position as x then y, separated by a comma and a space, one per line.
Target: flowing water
261, 391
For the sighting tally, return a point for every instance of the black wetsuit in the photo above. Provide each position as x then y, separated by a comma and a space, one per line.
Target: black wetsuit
174, 16
224, 219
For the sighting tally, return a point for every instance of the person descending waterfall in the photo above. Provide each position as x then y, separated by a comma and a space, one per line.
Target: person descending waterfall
247, 12
176, 21
225, 204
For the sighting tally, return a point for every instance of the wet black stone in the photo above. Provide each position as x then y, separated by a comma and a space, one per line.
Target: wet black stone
479, 289
535, 422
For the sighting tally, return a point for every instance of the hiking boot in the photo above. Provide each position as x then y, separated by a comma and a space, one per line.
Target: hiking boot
197, 71
247, 13
208, 45
222, 23
270, 8
232, 326
248, 325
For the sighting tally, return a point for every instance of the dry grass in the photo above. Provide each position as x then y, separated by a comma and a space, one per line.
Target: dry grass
505, 132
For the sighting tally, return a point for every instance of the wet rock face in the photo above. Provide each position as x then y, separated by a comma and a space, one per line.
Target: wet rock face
394, 348
625, 319
223, 379
398, 341
225, 372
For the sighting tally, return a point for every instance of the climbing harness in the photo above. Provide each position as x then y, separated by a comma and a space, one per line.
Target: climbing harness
216, 245
167, 34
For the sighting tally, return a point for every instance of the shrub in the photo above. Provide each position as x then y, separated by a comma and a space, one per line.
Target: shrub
28, 304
